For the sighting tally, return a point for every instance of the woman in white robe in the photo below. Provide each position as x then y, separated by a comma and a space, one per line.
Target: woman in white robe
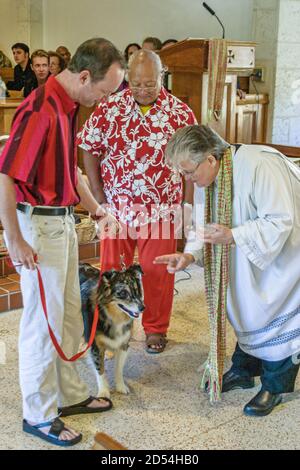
263, 297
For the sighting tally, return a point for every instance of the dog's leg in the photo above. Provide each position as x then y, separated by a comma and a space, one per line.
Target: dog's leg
103, 385
88, 361
121, 356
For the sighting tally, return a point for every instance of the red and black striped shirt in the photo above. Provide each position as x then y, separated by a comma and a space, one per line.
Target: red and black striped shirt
40, 154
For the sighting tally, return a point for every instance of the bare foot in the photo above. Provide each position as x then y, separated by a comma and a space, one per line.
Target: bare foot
98, 403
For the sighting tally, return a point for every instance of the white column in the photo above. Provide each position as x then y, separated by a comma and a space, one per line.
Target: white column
265, 32
286, 116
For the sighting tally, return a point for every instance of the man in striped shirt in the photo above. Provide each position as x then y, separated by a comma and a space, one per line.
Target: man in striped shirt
39, 176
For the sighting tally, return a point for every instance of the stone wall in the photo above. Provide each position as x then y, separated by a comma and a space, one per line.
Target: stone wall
286, 115
264, 33
22, 21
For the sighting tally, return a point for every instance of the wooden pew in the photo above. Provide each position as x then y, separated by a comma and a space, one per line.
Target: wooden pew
8, 108
7, 74
288, 150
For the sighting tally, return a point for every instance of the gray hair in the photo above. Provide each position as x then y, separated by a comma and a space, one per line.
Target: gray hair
142, 56
195, 143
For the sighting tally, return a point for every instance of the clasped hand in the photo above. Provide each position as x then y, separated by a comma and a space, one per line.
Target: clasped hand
216, 234
107, 224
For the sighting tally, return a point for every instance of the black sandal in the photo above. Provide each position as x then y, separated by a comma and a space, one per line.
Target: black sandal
57, 426
82, 408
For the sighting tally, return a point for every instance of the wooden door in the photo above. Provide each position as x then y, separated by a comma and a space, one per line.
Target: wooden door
251, 119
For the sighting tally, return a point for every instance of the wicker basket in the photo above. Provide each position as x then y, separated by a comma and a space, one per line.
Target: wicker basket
85, 228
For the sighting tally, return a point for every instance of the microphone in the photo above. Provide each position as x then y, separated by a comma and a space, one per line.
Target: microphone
213, 13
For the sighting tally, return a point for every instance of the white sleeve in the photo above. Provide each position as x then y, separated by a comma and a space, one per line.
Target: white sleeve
263, 238
194, 244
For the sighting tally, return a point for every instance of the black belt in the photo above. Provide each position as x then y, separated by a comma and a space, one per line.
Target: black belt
27, 209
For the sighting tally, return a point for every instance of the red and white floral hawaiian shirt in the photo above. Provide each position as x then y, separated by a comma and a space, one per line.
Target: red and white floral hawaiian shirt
138, 184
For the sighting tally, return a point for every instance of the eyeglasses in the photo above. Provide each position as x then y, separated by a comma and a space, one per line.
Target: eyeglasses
189, 173
145, 88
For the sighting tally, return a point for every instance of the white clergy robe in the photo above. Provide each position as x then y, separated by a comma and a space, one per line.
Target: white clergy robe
263, 300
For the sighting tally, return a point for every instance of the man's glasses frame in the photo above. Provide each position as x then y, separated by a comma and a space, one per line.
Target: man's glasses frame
189, 173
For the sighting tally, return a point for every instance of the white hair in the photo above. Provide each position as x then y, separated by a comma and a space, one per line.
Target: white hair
195, 143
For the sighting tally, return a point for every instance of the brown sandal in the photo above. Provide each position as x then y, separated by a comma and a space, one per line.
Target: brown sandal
83, 408
159, 340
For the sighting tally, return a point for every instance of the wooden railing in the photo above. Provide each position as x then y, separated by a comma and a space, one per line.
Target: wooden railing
287, 150
7, 73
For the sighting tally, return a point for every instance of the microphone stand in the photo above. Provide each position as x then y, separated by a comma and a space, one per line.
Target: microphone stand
223, 36
213, 13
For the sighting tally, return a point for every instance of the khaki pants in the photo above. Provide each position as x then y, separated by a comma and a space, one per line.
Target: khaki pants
46, 381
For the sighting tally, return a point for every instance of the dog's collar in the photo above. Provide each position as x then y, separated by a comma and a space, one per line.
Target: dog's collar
129, 312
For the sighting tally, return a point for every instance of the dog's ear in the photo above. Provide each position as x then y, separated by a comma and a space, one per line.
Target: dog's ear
105, 284
108, 276
87, 270
136, 270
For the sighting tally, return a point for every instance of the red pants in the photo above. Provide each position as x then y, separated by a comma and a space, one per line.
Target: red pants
157, 282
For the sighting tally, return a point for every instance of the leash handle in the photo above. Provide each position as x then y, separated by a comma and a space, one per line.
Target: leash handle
51, 333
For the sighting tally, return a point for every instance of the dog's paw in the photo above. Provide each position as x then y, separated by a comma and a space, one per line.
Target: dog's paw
122, 388
109, 355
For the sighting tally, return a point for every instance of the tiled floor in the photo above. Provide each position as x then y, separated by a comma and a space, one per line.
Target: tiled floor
10, 295
165, 409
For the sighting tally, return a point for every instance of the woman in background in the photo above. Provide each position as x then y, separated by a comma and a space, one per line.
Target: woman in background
56, 63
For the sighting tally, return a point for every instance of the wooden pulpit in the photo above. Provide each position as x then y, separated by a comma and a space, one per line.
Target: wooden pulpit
187, 62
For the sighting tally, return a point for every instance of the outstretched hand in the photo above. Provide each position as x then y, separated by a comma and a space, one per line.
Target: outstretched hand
175, 262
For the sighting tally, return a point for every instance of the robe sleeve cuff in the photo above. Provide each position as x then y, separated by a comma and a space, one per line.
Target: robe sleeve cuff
249, 248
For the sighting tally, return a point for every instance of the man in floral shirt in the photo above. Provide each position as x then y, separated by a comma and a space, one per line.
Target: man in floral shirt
124, 142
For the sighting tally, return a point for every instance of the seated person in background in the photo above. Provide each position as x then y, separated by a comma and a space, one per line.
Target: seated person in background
240, 93
40, 66
151, 44
130, 49
56, 63
3, 90
3, 140
65, 53
23, 73
168, 43
4, 60
165, 44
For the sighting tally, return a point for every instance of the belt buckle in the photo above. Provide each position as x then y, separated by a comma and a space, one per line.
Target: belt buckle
28, 209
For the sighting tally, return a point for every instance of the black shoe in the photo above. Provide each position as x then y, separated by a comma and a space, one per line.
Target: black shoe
232, 381
262, 404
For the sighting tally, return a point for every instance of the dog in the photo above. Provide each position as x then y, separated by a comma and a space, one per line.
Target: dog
120, 300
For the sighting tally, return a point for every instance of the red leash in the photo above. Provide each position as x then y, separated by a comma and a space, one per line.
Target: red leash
51, 333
